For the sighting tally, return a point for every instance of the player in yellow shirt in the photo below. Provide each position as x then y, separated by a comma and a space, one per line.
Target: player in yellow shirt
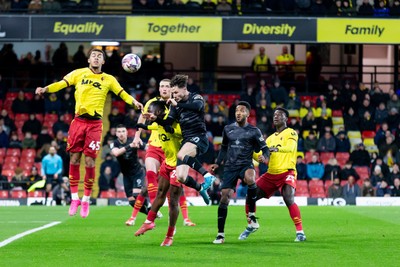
155, 155
281, 174
170, 140
84, 136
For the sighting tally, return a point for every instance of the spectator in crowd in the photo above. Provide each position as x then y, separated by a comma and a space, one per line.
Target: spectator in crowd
33, 177
323, 108
20, 104
4, 184
367, 189
5, 6
351, 190
327, 143
130, 119
218, 126
262, 92
377, 176
80, 59
261, 62
347, 171
35, 7
315, 169
300, 141
215, 113
360, 156
383, 189
263, 109
28, 141
324, 121
388, 150
385, 168
115, 117
332, 170
394, 102
294, 123
52, 104
311, 142
32, 125
36, 104
318, 8
51, 6
308, 122
14, 141
351, 120
67, 103
395, 173
249, 97
192, 86
396, 188
335, 190
3, 137
7, 120
381, 113
381, 10
60, 59
106, 180
380, 135
109, 161
279, 95
223, 8
265, 125
111, 134
61, 192
18, 181
294, 101
232, 110
208, 6
5, 127
367, 123
19, 6
223, 108
393, 119
301, 168
61, 125
285, 63
43, 138
342, 142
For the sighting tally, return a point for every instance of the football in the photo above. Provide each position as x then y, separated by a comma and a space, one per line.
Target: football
131, 63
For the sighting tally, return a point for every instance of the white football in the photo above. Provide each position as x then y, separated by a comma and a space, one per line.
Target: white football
131, 63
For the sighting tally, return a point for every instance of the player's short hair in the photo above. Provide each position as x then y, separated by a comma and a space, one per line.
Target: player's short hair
120, 126
97, 50
246, 104
284, 111
158, 106
165, 80
179, 80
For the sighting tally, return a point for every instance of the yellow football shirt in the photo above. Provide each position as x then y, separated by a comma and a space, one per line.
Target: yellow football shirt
91, 90
286, 157
170, 143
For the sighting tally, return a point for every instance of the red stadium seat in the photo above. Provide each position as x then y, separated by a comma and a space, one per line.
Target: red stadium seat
4, 194
68, 117
107, 194
121, 194
21, 117
2, 152
342, 158
11, 159
26, 166
18, 194
16, 152
131, 132
120, 105
362, 171
8, 173
19, 124
28, 152
318, 195
327, 184
38, 193
308, 156
38, 165
326, 156
10, 166
343, 183
315, 183
142, 154
337, 113
301, 183
50, 117
40, 117
367, 134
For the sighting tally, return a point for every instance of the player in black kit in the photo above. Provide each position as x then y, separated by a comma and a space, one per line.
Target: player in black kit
135, 189
239, 141
188, 110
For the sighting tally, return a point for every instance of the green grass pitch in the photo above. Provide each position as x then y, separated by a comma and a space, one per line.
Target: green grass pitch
336, 236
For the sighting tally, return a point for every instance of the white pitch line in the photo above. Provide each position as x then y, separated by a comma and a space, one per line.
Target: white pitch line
18, 236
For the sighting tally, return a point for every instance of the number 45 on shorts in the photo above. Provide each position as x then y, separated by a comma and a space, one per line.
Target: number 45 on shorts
95, 145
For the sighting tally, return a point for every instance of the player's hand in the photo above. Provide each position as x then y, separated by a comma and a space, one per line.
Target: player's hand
172, 102
149, 116
137, 104
134, 145
137, 142
261, 159
40, 90
141, 125
213, 167
273, 149
169, 129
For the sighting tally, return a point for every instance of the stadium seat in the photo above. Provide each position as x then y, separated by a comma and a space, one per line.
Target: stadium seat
28, 152
337, 113
19, 124
18, 194
367, 134
50, 117
327, 184
4, 194
36, 193
368, 141
318, 194
38, 165
342, 158
2, 152
8, 173
142, 154
10, 165
26, 165
131, 132
11, 159
294, 113
120, 105
337, 120
315, 183
354, 134
107, 194
121, 194
301, 183
308, 156
21, 117
372, 149
326, 156
16, 152
343, 182
68, 117
39, 117
362, 171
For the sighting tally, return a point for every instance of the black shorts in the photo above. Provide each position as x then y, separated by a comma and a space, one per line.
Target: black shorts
200, 141
231, 177
53, 181
135, 181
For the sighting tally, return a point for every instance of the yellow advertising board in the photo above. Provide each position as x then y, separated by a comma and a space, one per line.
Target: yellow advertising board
341, 30
179, 29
